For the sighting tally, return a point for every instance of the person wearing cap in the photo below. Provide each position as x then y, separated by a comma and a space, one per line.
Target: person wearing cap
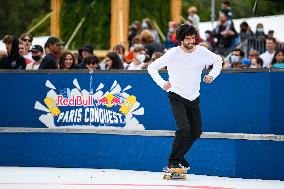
185, 64
84, 52
51, 60
37, 53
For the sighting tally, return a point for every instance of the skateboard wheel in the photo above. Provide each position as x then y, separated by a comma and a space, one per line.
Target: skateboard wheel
168, 177
165, 176
183, 177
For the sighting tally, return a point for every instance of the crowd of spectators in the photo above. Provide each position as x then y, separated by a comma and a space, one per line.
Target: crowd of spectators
145, 46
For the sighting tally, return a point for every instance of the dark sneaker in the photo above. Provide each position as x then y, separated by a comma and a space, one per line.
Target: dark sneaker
184, 163
176, 168
174, 165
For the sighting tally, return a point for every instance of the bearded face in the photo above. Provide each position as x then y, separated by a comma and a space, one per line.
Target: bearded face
189, 42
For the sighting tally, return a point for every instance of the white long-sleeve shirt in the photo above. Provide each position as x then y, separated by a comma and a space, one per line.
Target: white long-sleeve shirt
185, 69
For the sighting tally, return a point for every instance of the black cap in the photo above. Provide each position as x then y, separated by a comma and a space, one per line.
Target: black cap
55, 40
86, 47
36, 48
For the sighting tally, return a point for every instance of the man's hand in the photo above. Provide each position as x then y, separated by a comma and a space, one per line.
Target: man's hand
208, 79
167, 85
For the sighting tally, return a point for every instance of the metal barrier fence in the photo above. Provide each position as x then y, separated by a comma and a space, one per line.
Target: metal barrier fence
255, 44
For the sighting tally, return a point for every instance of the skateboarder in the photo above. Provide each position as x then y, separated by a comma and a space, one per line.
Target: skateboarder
185, 64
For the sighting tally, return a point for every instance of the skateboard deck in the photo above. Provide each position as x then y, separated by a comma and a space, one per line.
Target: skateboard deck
175, 173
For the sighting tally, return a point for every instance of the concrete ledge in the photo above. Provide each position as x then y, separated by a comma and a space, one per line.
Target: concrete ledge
162, 133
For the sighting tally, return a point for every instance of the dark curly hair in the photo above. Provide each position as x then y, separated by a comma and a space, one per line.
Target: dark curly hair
185, 30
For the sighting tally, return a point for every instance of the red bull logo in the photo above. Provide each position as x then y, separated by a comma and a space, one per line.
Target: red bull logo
75, 101
109, 100
76, 107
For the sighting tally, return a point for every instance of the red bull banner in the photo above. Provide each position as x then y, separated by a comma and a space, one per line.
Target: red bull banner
93, 107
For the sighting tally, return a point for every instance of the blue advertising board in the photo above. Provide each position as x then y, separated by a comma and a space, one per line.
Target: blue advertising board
234, 102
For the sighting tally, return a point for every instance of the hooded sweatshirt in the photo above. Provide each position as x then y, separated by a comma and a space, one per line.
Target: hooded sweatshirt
13, 60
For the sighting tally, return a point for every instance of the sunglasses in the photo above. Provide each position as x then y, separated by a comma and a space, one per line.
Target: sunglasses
27, 40
92, 62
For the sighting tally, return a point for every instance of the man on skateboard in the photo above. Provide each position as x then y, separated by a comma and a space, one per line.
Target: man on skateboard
185, 64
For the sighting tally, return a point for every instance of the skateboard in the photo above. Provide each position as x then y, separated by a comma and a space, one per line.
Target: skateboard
175, 173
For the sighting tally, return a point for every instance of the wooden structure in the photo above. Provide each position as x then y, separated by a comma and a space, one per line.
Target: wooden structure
119, 19
55, 17
176, 6
119, 22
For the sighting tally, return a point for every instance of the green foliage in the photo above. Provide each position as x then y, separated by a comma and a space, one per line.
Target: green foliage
240, 9
156, 10
16, 16
96, 28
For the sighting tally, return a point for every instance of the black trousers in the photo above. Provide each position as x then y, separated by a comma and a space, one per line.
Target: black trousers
188, 122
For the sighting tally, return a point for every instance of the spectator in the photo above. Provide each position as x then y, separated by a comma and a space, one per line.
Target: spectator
225, 33
147, 24
259, 33
129, 57
92, 63
13, 60
86, 50
253, 54
171, 40
120, 50
113, 61
22, 52
138, 59
226, 9
268, 55
193, 17
209, 38
256, 62
245, 32
27, 38
270, 33
67, 61
50, 61
37, 53
149, 43
133, 30
237, 58
278, 60
46, 48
